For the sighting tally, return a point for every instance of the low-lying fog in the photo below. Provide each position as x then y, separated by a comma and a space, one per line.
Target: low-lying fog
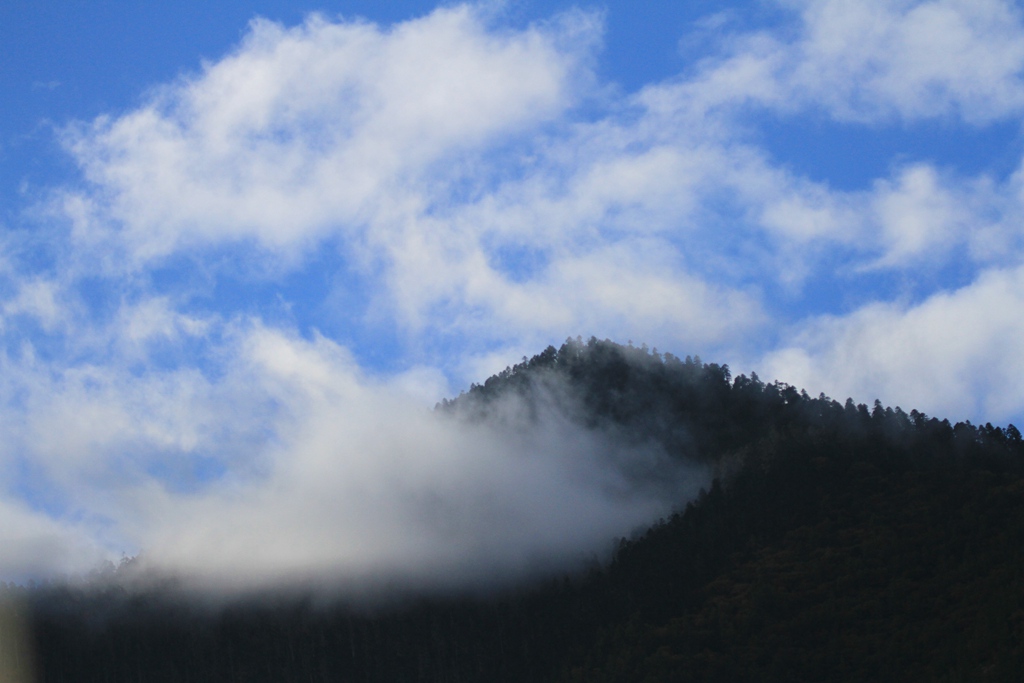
297, 471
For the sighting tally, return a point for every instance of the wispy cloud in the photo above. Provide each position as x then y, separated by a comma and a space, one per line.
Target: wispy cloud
876, 61
319, 129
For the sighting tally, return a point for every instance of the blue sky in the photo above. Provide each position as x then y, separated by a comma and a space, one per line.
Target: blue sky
209, 212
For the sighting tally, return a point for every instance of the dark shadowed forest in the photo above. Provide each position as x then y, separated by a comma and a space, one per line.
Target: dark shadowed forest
834, 542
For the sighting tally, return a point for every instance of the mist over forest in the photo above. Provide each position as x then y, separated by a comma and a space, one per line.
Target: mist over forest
627, 515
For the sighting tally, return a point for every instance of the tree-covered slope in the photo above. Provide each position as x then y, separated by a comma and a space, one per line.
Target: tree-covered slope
837, 542
834, 568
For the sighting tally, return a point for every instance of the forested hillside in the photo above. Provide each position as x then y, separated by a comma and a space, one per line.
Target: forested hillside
836, 542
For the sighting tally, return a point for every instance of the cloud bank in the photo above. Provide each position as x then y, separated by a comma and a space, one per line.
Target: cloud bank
222, 342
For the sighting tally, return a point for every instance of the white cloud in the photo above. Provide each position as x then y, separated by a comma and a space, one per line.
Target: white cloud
434, 150
914, 59
375, 143
917, 215
878, 59
40, 299
320, 128
34, 544
954, 355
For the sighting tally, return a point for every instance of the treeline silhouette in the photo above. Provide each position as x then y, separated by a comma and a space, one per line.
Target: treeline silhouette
837, 542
